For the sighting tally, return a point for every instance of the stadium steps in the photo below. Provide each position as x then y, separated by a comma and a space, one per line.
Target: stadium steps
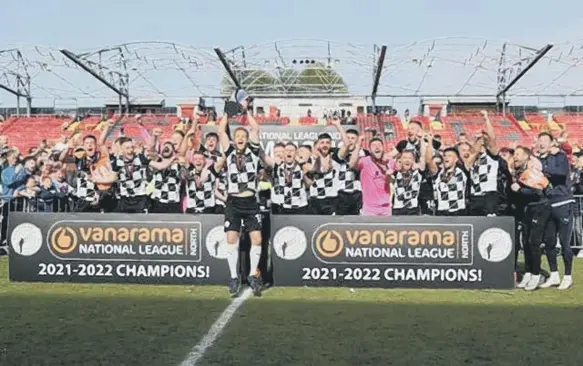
535, 119
27, 132
447, 131
9, 122
370, 126
573, 123
393, 131
88, 124
507, 127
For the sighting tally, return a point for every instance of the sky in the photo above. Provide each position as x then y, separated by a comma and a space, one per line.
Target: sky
89, 24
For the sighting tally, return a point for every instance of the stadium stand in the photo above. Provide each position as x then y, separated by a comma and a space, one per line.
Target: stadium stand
30, 131
26, 132
510, 130
571, 123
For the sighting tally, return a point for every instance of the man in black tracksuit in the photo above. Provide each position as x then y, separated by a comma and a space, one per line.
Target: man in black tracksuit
557, 170
531, 211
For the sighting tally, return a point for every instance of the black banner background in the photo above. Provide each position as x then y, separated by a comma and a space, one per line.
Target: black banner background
39, 259
50, 248
300, 236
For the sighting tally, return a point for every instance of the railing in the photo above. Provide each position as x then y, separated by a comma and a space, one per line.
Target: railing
37, 205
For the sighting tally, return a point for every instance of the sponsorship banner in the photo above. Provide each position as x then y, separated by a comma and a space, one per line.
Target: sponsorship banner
416, 252
160, 249
299, 135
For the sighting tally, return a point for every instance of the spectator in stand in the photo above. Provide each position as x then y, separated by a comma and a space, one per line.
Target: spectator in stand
25, 197
349, 120
61, 190
577, 174
15, 176
3, 145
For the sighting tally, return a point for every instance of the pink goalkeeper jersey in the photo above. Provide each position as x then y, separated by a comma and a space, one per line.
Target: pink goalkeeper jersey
376, 200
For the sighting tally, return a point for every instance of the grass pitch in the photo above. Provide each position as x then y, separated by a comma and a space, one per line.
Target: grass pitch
67, 324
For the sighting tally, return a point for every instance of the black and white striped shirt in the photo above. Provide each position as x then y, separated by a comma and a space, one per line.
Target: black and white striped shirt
289, 180
450, 189
167, 184
324, 183
347, 179
242, 169
407, 187
133, 175
222, 179
200, 194
85, 189
484, 174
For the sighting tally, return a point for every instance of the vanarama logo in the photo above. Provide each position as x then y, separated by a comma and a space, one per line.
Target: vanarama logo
125, 240
64, 240
383, 243
329, 243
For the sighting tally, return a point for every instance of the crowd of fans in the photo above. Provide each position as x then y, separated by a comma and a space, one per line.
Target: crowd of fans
192, 174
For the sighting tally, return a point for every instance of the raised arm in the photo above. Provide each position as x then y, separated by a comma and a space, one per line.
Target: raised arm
342, 150
222, 130
69, 150
355, 157
423, 151
156, 134
218, 193
475, 151
307, 169
491, 133
162, 165
431, 167
268, 160
190, 136
253, 128
105, 134
221, 161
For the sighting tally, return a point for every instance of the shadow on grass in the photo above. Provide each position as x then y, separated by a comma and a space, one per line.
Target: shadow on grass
48, 329
360, 333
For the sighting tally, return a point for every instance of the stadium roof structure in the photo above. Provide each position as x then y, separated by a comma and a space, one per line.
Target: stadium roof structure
447, 67
153, 70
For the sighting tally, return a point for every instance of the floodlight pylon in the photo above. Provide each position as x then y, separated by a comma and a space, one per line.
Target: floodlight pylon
17, 82
122, 77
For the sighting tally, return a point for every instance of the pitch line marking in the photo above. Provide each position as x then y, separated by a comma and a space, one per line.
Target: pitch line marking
215, 331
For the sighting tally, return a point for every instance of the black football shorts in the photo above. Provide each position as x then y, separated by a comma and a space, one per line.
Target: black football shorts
242, 211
